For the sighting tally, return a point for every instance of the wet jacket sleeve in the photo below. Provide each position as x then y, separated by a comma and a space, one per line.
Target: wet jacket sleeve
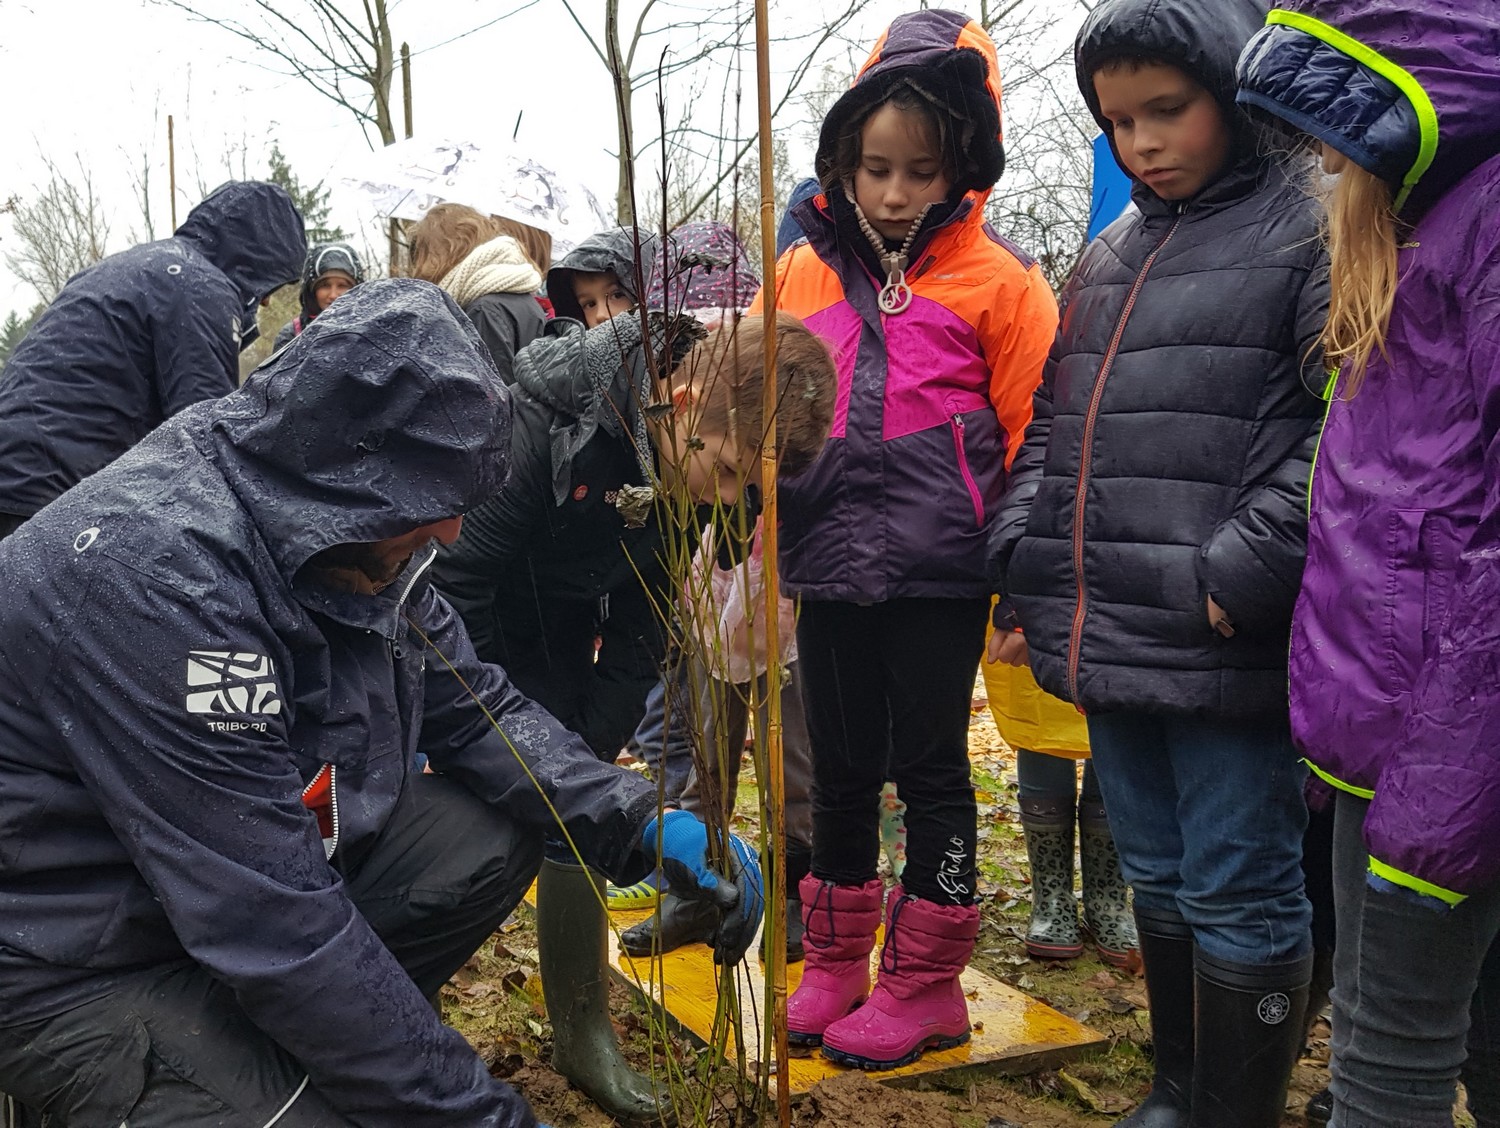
496, 532
1016, 336
1252, 564
511, 752
196, 350
1433, 823
209, 808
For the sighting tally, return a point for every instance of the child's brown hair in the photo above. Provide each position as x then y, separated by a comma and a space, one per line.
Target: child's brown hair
446, 235
728, 369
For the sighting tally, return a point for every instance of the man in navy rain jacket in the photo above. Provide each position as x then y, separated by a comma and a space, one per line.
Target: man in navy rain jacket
226, 892
135, 338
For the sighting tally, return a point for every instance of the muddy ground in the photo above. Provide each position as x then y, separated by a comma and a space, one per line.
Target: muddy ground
496, 1002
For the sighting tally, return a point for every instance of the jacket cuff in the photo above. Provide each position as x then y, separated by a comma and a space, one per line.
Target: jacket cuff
1382, 872
1003, 616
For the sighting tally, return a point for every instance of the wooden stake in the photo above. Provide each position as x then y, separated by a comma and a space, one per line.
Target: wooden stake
406, 86
776, 894
172, 170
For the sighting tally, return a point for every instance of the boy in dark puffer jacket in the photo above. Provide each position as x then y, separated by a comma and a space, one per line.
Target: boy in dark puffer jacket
1153, 540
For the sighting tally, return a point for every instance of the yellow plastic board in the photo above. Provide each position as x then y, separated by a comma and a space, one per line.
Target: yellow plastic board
1012, 1033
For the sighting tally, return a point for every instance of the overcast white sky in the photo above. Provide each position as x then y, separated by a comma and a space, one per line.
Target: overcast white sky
97, 78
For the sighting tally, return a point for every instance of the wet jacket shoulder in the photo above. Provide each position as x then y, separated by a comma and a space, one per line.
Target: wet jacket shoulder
1173, 434
507, 323
932, 401
137, 337
224, 680
1394, 645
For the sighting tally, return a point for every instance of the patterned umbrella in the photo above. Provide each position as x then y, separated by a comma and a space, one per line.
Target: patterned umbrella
404, 180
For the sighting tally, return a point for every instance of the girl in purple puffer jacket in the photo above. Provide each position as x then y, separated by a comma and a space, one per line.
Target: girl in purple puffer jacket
1395, 657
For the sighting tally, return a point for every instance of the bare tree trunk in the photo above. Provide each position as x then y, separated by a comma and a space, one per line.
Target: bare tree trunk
620, 79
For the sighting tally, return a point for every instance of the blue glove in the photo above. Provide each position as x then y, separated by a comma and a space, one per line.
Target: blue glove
1411, 896
684, 860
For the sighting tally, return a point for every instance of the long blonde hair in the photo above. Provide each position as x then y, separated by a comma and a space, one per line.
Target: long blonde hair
1363, 238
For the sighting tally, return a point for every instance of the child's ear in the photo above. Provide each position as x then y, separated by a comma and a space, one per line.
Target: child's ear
684, 397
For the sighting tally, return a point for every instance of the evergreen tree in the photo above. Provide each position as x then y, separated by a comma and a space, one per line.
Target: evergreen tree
311, 201
13, 329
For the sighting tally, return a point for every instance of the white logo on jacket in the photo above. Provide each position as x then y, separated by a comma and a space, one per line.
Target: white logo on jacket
240, 683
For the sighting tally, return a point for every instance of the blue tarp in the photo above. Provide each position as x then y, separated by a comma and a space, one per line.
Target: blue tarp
1111, 188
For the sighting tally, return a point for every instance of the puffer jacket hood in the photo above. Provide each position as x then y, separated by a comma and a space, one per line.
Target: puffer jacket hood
252, 232
1202, 38
401, 422
950, 57
617, 250
324, 259
1410, 93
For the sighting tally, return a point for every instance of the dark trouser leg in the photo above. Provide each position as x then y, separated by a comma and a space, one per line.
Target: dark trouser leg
444, 872
848, 723
1405, 981
164, 1048
443, 875
930, 651
9, 523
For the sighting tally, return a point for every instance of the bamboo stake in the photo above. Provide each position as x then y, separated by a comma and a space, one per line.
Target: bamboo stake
776, 799
172, 171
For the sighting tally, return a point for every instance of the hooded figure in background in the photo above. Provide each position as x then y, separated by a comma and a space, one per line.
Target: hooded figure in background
221, 853
332, 270
135, 338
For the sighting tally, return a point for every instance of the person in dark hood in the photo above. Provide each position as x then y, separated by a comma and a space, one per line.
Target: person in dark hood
228, 893
571, 550
332, 270
135, 338
1152, 539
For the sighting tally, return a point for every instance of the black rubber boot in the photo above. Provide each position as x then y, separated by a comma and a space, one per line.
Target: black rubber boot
680, 922
570, 933
1047, 821
1250, 1027
1167, 952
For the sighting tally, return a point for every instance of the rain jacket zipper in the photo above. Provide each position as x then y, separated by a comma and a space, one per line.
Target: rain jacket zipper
1080, 610
963, 468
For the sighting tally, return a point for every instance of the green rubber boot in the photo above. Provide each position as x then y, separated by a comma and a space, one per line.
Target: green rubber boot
570, 933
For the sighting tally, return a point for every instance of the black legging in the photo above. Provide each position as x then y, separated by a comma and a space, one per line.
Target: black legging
887, 689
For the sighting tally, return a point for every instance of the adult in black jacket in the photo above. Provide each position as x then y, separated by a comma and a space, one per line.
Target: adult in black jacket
226, 889
135, 338
1152, 539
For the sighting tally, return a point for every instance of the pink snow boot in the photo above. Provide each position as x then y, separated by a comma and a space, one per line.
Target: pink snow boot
841, 921
917, 1003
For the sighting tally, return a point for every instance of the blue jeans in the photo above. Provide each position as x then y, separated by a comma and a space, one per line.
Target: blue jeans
1208, 816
